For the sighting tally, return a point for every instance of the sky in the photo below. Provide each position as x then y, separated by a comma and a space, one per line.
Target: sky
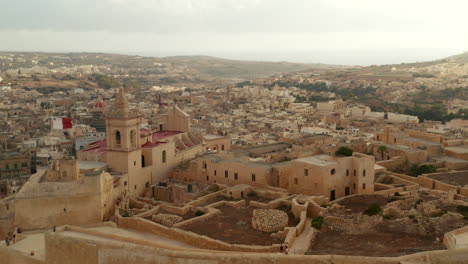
358, 32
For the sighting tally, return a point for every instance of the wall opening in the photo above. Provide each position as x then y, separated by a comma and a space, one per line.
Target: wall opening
118, 139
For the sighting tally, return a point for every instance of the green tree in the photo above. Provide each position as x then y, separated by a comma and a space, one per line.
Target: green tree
383, 149
317, 222
344, 151
421, 169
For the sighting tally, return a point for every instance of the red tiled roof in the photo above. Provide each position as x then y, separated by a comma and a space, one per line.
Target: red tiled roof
157, 136
152, 144
100, 146
162, 134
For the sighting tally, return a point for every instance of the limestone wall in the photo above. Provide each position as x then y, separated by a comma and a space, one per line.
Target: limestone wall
76, 250
301, 225
393, 163
392, 191
450, 238
187, 237
8, 256
425, 181
210, 213
314, 209
40, 213
298, 206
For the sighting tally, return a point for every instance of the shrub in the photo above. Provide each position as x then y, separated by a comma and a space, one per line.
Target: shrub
252, 194
392, 199
317, 222
439, 214
199, 213
126, 214
462, 209
421, 169
417, 202
344, 151
373, 209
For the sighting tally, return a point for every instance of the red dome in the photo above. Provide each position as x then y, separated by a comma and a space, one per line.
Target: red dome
100, 103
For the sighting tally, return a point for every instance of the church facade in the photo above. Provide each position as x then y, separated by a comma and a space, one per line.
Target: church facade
146, 156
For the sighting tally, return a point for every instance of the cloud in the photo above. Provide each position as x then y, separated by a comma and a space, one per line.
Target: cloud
164, 16
216, 27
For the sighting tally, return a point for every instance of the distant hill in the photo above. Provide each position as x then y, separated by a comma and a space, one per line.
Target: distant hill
460, 58
191, 67
226, 68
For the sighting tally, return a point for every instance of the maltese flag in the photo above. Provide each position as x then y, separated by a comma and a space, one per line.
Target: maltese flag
61, 123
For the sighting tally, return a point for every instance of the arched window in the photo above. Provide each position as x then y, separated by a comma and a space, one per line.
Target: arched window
133, 138
164, 156
333, 171
117, 138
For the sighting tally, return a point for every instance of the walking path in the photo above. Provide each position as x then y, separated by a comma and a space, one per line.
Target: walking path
302, 242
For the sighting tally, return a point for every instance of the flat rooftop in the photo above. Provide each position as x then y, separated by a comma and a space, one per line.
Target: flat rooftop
320, 160
211, 137
459, 150
88, 165
422, 141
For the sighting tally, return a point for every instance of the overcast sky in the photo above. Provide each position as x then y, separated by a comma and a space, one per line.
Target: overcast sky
327, 31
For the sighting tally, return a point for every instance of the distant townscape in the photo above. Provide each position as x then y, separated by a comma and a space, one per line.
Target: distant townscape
108, 158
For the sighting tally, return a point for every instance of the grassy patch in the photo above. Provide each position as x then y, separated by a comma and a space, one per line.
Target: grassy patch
439, 214
317, 222
463, 210
252, 194
199, 213
373, 209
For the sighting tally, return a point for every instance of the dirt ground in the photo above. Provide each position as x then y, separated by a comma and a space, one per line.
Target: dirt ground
390, 238
246, 198
212, 200
360, 203
378, 244
188, 215
234, 226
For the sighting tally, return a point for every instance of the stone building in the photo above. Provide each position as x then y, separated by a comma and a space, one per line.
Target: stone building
69, 192
332, 176
432, 143
337, 105
14, 164
325, 175
146, 156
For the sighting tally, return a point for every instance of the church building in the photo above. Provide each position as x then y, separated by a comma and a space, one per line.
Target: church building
146, 156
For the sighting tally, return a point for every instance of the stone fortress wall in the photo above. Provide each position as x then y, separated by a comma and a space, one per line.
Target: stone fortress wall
106, 249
